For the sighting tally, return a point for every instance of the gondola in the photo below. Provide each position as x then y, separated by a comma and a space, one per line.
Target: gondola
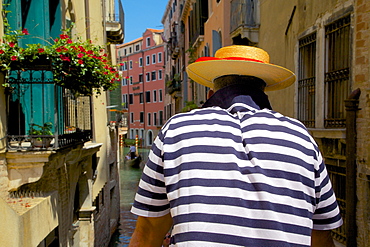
134, 163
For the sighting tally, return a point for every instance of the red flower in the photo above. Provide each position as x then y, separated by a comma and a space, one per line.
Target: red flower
59, 49
65, 58
41, 50
1, 51
11, 44
90, 52
80, 55
64, 36
56, 40
80, 61
69, 41
14, 58
25, 31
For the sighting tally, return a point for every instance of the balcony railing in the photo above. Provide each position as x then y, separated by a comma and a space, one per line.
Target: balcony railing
33, 100
244, 19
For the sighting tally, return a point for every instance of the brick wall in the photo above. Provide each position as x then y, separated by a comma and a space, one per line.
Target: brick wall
361, 76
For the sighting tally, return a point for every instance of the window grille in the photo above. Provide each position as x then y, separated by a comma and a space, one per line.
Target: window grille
34, 100
337, 71
307, 80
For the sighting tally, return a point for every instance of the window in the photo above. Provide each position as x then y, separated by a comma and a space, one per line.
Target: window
124, 66
147, 60
159, 57
124, 81
337, 71
160, 74
131, 117
153, 58
147, 77
130, 49
141, 78
140, 62
147, 42
130, 80
160, 95
155, 119
154, 76
141, 98
124, 101
149, 118
147, 96
307, 80
130, 64
141, 117
154, 95
137, 47
160, 118
131, 99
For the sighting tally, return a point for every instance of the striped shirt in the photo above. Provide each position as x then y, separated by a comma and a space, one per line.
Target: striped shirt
239, 176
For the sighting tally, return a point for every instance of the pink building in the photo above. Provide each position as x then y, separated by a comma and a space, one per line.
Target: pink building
143, 84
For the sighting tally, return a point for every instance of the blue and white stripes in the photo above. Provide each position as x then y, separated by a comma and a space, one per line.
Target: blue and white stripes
237, 177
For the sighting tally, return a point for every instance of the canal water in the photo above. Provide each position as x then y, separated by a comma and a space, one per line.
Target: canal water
129, 180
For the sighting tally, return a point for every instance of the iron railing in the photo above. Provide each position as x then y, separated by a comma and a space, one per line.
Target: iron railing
243, 14
307, 80
337, 71
33, 99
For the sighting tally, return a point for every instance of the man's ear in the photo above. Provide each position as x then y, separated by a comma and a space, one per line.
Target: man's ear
210, 93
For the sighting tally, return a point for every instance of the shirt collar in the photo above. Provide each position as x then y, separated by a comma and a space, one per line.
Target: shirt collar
238, 93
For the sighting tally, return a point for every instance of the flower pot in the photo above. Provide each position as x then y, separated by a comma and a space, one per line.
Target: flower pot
43, 143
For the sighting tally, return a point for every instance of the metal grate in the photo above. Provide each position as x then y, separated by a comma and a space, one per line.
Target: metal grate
337, 71
335, 160
307, 80
33, 99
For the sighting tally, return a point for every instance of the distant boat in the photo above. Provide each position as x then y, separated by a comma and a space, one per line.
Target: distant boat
134, 163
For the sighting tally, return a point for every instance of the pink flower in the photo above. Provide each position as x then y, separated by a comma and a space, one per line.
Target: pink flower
80, 55
25, 31
11, 44
14, 58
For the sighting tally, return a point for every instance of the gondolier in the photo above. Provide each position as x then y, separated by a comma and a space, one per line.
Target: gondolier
236, 173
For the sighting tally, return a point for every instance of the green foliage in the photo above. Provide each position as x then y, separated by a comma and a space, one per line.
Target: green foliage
76, 64
189, 105
45, 129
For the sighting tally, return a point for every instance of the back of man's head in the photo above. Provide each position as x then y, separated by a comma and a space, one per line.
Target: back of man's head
251, 82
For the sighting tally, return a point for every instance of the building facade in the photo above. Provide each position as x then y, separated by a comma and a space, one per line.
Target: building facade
326, 43
142, 67
65, 193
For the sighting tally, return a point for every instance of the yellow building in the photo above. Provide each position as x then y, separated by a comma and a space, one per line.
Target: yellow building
63, 193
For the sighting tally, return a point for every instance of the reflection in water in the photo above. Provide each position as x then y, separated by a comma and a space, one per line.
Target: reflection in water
129, 179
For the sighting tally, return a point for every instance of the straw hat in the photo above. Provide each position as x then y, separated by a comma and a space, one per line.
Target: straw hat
240, 60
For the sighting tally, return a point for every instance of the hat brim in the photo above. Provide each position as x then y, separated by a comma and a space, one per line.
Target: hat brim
276, 77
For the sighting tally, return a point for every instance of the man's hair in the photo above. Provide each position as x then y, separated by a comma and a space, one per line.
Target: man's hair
248, 81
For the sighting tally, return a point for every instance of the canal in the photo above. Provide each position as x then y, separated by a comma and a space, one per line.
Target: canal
129, 179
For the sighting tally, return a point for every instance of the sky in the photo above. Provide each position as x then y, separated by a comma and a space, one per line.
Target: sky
140, 15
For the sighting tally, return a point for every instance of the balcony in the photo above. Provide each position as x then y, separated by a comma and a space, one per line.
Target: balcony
44, 116
244, 19
115, 26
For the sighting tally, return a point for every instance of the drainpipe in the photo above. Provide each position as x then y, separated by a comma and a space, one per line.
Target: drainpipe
350, 218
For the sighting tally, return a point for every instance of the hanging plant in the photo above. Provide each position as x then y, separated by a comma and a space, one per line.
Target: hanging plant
76, 64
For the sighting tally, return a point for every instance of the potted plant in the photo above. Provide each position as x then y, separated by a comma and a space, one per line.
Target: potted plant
76, 64
45, 133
